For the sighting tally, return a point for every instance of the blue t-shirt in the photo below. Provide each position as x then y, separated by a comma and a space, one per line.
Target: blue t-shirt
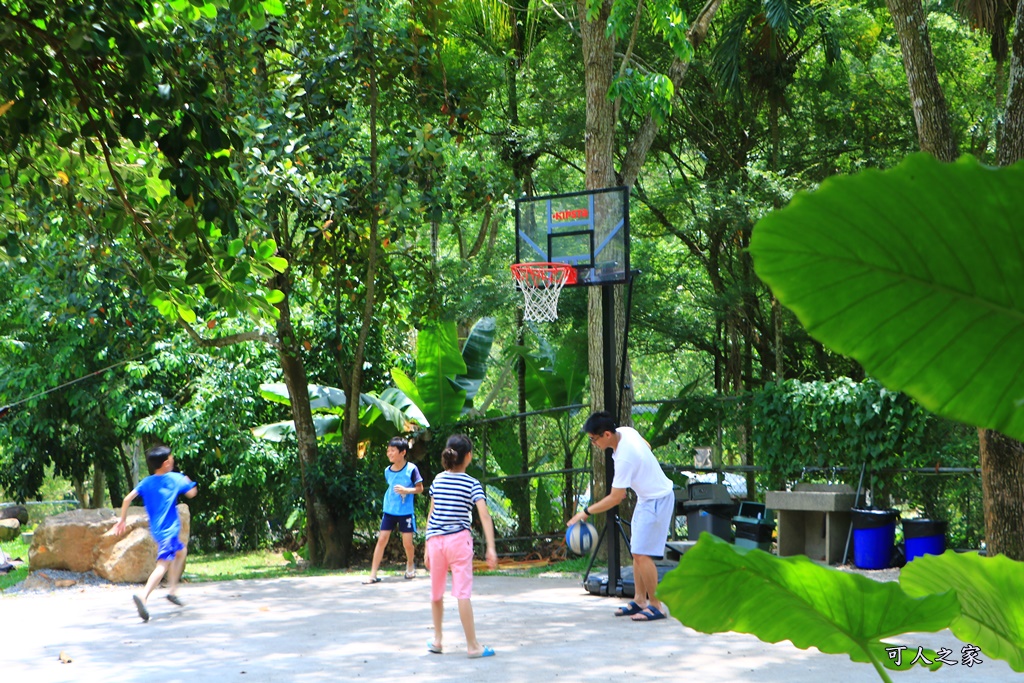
454, 494
396, 503
160, 494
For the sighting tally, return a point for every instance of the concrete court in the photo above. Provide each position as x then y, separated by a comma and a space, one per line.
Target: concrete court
332, 628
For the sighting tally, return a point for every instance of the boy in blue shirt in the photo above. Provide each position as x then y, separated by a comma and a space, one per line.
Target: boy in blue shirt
404, 481
160, 493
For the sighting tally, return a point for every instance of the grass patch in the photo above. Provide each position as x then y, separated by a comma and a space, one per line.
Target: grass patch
14, 549
257, 564
569, 568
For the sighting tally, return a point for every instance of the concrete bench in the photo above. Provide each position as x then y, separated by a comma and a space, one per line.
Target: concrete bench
814, 520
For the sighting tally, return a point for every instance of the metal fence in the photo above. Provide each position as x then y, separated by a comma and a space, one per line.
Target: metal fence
532, 493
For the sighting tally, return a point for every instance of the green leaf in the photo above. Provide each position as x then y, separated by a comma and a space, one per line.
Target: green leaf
438, 360
187, 314
235, 247
326, 398
275, 296
475, 353
266, 249
408, 387
277, 263
273, 7
988, 619
320, 397
719, 587
891, 269
279, 431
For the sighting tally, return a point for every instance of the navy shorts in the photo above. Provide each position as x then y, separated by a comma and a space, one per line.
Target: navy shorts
403, 523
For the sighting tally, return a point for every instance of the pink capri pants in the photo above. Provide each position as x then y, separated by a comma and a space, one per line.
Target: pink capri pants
454, 552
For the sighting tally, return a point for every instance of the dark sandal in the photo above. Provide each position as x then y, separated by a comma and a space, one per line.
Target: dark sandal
650, 614
630, 609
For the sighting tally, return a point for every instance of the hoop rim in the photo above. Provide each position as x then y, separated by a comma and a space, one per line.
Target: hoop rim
522, 271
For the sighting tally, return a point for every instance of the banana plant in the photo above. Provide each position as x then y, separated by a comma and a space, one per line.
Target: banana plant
447, 378
380, 417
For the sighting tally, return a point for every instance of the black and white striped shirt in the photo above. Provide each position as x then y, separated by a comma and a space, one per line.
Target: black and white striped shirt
454, 494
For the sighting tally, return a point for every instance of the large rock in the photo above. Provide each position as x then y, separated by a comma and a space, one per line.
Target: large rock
9, 529
18, 512
83, 540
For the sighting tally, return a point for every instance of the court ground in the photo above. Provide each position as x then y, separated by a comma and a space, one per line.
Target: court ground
335, 629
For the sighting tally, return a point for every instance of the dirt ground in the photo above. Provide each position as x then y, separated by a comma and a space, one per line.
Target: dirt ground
333, 628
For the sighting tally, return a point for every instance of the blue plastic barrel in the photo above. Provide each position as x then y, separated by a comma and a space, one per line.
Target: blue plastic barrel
874, 535
924, 537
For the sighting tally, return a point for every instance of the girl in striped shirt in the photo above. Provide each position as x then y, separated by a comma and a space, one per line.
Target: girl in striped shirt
453, 495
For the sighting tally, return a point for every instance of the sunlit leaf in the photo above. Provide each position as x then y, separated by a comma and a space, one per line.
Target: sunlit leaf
983, 585
916, 272
719, 587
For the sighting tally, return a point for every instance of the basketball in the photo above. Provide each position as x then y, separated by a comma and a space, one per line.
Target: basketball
580, 537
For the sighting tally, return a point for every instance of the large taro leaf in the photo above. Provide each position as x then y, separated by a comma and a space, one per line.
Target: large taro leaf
718, 587
917, 272
989, 590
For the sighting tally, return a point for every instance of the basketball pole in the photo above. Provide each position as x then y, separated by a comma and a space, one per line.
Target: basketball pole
611, 405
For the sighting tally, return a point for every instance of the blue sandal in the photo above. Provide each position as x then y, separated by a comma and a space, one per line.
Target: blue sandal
487, 652
650, 614
631, 608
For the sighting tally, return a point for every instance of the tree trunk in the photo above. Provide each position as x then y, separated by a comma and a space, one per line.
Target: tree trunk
1002, 458
641, 144
1011, 141
324, 549
355, 384
934, 132
99, 485
599, 142
1002, 486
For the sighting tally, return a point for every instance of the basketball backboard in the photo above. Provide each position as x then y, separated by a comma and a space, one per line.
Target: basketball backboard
587, 230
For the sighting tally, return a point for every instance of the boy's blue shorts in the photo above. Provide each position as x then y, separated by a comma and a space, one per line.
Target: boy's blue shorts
403, 523
168, 548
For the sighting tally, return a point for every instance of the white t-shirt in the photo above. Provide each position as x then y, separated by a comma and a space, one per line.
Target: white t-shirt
636, 467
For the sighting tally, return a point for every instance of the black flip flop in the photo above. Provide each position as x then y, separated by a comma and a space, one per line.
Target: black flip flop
141, 606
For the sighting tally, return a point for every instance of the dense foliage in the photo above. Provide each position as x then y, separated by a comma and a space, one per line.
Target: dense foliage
197, 198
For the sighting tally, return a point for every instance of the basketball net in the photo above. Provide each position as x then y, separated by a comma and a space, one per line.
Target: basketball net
541, 284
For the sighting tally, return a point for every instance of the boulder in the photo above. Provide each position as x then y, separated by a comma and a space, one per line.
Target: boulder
83, 540
18, 512
9, 529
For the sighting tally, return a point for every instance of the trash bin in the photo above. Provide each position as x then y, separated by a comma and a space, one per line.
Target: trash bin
924, 537
754, 527
874, 535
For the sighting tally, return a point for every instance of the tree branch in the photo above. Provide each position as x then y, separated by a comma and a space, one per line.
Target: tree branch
230, 339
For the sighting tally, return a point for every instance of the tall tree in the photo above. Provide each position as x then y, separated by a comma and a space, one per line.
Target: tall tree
1002, 467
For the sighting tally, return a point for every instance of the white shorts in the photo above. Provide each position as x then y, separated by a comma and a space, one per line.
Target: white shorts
652, 519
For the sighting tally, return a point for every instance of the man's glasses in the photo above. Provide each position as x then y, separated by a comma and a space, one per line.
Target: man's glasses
593, 437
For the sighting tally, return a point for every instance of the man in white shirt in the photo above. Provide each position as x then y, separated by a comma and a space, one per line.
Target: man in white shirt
635, 468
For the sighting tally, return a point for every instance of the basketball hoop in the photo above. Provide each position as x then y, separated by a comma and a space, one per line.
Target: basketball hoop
541, 284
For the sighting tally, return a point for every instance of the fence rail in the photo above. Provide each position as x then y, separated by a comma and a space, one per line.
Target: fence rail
538, 490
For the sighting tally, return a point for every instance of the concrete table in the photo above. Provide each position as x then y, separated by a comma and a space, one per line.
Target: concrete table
814, 520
